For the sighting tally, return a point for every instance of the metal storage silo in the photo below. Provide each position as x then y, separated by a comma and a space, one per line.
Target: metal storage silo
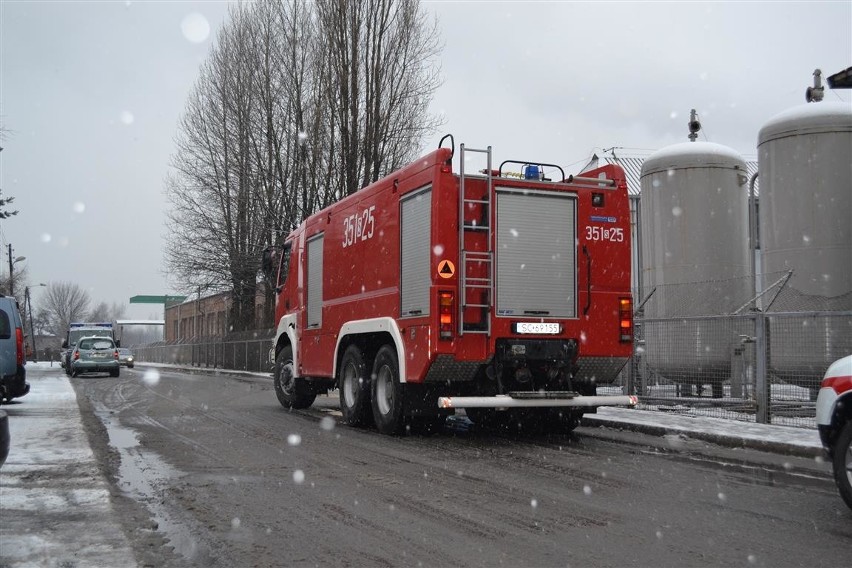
805, 169
694, 218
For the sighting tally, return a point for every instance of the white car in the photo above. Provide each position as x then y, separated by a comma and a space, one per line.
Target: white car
834, 420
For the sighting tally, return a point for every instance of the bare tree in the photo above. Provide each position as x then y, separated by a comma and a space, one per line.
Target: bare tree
214, 242
384, 72
63, 303
41, 321
5, 213
107, 312
4, 203
298, 104
19, 279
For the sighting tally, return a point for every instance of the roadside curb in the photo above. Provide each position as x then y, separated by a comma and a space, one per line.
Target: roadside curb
712, 437
142, 365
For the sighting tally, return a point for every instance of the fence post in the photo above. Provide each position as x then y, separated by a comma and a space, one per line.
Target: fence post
762, 386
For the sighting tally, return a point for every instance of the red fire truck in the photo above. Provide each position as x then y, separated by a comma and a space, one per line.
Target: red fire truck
501, 291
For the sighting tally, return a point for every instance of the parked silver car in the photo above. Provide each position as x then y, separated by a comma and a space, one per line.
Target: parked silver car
95, 355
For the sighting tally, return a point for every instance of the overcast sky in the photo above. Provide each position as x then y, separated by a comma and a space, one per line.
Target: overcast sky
91, 92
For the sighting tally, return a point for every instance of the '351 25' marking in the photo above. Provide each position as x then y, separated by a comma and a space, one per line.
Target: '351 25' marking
612, 234
359, 227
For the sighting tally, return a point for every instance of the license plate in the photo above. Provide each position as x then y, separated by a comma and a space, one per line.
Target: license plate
525, 328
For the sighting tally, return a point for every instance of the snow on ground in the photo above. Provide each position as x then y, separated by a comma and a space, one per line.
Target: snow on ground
53, 500
55, 504
764, 434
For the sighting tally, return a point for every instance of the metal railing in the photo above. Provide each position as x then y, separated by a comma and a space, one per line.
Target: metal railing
248, 351
758, 367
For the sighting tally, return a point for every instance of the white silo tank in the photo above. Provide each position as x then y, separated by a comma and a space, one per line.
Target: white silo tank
694, 213
805, 171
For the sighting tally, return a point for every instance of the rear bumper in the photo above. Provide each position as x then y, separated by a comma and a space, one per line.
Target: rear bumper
505, 401
14, 386
94, 367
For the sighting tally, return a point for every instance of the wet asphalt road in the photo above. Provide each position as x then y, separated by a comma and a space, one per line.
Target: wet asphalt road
212, 467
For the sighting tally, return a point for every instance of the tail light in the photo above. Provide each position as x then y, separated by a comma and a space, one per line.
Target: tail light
19, 341
625, 319
76, 355
446, 314
115, 354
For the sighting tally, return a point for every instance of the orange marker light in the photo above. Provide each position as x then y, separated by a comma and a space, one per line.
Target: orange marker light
446, 314
625, 319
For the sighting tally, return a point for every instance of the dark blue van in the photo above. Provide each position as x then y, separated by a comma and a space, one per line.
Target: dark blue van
13, 374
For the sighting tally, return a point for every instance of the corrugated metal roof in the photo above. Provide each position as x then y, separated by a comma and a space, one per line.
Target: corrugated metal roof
633, 168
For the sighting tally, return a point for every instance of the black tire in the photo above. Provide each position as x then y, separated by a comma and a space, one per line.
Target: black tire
387, 393
485, 418
842, 463
130, 366
428, 426
528, 421
287, 387
115, 373
563, 420
5, 438
353, 381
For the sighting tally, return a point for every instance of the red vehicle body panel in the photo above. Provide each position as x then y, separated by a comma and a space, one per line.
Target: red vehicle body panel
361, 257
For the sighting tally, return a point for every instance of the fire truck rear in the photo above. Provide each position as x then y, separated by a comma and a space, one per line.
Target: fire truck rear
504, 292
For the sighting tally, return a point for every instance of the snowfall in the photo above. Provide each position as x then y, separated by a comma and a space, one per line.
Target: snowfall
48, 442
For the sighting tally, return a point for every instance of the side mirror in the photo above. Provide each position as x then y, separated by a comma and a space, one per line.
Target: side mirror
267, 264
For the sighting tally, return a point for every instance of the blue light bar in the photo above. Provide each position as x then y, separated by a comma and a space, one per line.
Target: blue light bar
531, 172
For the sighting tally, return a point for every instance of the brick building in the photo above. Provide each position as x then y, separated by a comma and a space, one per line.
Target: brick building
205, 317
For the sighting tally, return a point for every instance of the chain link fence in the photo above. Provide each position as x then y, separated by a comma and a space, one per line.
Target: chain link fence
245, 351
761, 360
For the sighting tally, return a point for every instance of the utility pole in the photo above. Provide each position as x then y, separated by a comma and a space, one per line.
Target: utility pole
11, 290
28, 302
28, 306
11, 270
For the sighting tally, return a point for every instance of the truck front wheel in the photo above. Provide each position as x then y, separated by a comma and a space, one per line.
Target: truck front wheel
387, 392
286, 384
354, 384
843, 463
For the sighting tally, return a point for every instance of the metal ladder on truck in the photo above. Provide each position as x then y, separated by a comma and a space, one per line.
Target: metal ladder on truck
477, 266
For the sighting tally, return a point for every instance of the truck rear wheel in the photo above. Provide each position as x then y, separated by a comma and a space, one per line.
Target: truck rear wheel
286, 384
354, 384
387, 392
843, 463
485, 418
563, 420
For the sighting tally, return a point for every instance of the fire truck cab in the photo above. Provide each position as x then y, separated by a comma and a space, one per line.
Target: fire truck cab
430, 290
